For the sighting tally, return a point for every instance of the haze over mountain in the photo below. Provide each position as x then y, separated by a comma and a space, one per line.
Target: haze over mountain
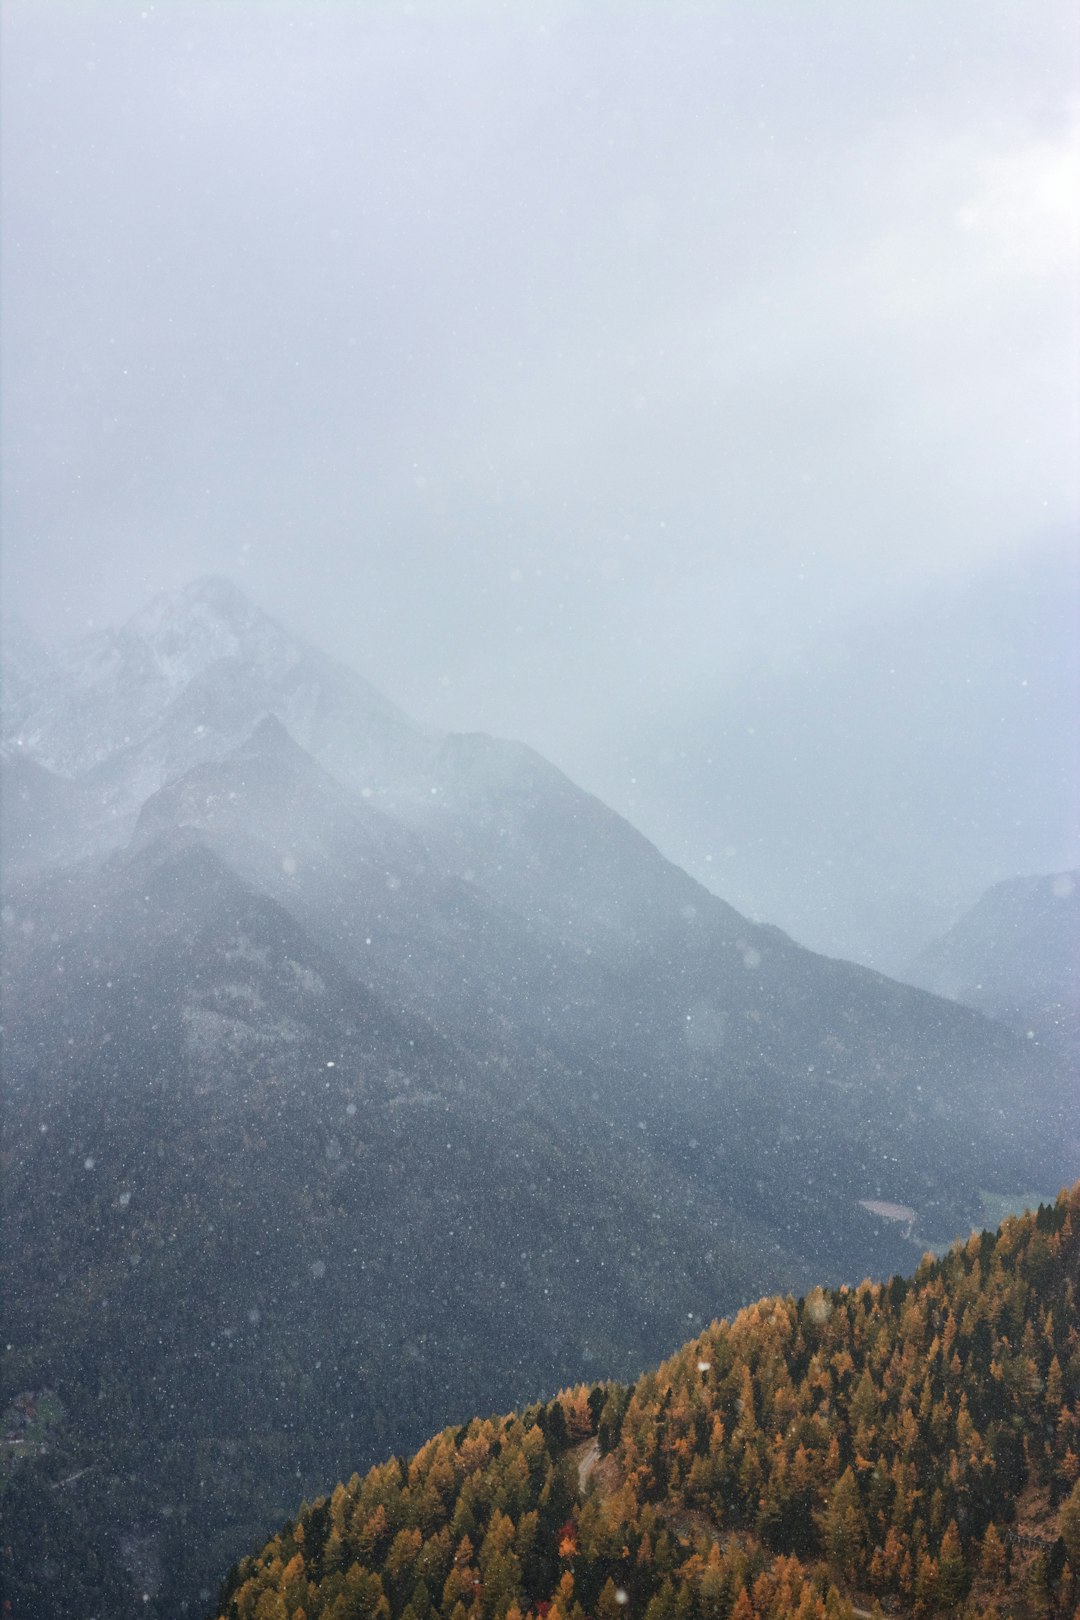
389, 1074
691, 394
1016, 957
686, 391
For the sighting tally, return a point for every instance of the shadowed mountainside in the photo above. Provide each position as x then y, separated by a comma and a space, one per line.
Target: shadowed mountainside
357, 1077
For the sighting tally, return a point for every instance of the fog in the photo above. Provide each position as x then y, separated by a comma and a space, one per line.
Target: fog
689, 391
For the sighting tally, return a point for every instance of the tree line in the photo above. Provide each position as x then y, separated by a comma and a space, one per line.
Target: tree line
909, 1447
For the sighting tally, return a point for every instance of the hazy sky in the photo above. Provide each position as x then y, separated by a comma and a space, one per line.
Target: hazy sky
690, 390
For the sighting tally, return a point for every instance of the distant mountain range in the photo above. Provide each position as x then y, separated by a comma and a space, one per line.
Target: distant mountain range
358, 1077
1016, 957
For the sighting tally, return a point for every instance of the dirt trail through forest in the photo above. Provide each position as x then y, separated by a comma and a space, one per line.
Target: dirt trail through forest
588, 1455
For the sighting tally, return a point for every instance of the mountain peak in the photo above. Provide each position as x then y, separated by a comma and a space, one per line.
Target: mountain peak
186, 679
180, 634
218, 591
211, 600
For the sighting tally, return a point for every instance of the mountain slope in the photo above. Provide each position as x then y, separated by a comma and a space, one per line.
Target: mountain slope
747, 1062
41, 816
309, 987
913, 1443
1016, 957
186, 680
335, 1220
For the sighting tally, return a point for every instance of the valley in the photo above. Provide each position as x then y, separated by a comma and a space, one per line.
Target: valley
359, 1078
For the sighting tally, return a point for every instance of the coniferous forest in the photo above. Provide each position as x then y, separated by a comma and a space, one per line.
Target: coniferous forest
911, 1447
538, 788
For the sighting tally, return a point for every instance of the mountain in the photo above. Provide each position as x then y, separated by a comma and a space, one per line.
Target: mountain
203, 656
25, 664
912, 1444
41, 815
1015, 956
356, 1075
184, 681
331, 1219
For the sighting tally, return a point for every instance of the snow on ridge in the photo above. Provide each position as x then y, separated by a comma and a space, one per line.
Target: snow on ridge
187, 631
184, 681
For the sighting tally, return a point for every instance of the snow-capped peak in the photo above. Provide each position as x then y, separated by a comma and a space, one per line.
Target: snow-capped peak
184, 681
184, 632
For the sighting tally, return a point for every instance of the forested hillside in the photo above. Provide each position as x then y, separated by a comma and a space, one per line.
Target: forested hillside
391, 1076
910, 1447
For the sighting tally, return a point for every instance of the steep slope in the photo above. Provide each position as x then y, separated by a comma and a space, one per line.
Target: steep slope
912, 1443
25, 668
751, 1072
1016, 957
257, 1221
42, 816
363, 883
537, 843
342, 994
184, 681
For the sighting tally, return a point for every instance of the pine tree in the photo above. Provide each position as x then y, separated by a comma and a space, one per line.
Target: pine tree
992, 1557
607, 1605
926, 1585
952, 1571
743, 1609
845, 1526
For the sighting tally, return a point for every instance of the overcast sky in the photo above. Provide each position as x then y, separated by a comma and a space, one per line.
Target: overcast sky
688, 390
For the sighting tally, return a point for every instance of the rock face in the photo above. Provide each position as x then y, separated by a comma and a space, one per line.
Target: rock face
1015, 957
359, 1077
